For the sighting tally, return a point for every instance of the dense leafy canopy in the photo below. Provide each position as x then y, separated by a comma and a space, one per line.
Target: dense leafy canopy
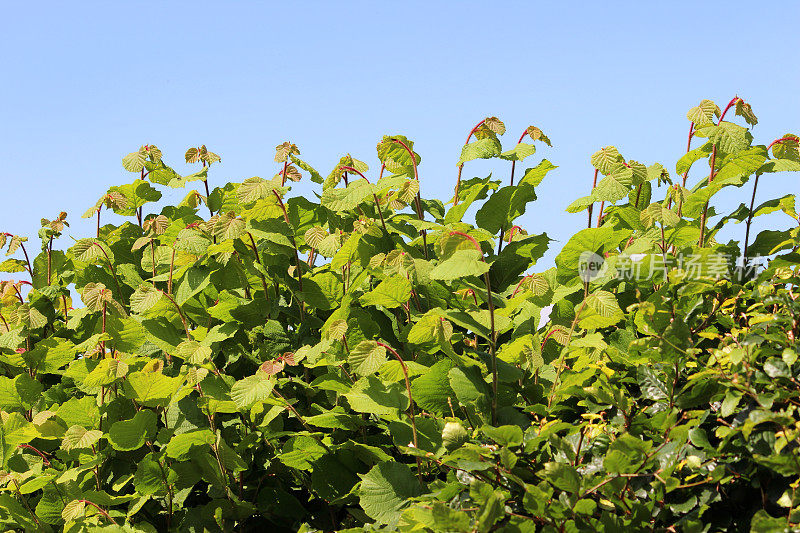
249, 360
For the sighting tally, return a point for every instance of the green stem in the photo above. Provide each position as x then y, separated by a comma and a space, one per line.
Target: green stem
49, 260
258, 259
296, 252
560, 365
27, 506
749, 221
591, 206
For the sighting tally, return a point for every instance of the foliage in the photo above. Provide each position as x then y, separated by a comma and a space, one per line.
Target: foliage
375, 362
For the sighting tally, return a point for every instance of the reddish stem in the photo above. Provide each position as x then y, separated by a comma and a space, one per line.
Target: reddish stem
410, 404
101, 510
600, 214
686, 174
516, 289
461, 166
783, 140
493, 335
180, 313
374, 196
111, 266
471, 239
511, 232
688, 148
730, 104
417, 200
28, 261
19, 294
37, 452
514, 163
713, 172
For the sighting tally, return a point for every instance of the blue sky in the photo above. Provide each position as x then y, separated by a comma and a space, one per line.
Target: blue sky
85, 83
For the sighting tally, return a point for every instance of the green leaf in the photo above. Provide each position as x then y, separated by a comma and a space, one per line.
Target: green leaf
659, 213
152, 389
504, 435
194, 281
428, 327
392, 292
372, 396
606, 159
50, 355
149, 477
519, 152
384, 491
129, 435
600, 310
461, 264
251, 389
485, 148
432, 392
253, 189
105, 373
301, 452
625, 454
367, 357
78, 437
347, 198
703, 113
134, 161
180, 446
523, 350
741, 164
315, 176
562, 476
20, 393
534, 176
728, 136
616, 186
580, 204
91, 251
504, 206
75, 509
323, 291
228, 226
688, 159
145, 297
593, 240
469, 192
13, 265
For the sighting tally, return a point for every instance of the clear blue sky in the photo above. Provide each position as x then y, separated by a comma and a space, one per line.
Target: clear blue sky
86, 83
